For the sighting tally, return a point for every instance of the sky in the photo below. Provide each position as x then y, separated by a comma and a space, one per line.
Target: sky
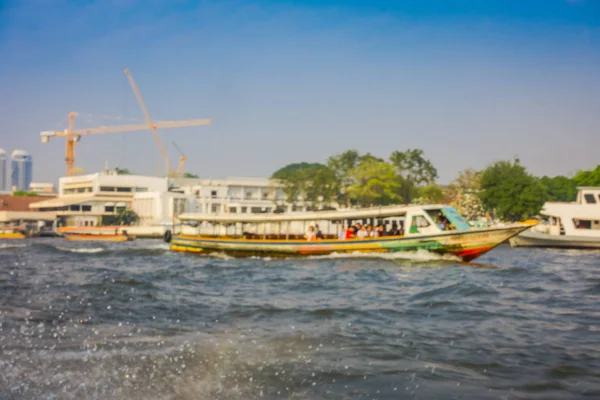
468, 81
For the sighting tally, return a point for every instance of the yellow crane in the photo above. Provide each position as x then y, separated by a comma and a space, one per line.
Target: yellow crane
73, 136
182, 159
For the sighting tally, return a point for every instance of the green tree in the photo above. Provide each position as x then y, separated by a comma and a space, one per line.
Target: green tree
588, 177
342, 166
430, 194
126, 216
189, 175
560, 188
415, 171
122, 171
374, 183
23, 193
511, 192
314, 182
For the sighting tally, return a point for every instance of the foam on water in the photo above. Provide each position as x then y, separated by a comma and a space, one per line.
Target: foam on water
11, 246
81, 250
419, 255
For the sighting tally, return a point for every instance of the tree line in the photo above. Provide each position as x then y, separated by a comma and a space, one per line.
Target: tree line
504, 188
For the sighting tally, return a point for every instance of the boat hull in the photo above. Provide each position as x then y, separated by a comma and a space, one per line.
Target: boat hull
466, 245
98, 238
15, 235
537, 239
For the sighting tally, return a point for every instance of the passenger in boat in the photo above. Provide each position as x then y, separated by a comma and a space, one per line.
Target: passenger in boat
310, 234
380, 232
370, 231
394, 231
319, 234
351, 232
442, 223
341, 231
362, 233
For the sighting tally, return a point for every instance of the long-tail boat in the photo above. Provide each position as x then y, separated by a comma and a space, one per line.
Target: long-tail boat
96, 234
11, 233
435, 228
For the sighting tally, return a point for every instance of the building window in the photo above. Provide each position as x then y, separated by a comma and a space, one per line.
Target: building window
244, 210
86, 223
107, 188
74, 208
256, 210
214, 208
233, 210
124, 189
141, 189
213, 194
249, 195
265, 195
86, 208
589, 198
109, 209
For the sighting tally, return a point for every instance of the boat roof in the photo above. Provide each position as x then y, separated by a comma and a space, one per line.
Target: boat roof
357, 213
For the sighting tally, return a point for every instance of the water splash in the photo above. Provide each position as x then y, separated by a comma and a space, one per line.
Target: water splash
419, 255
75, 250
11, 246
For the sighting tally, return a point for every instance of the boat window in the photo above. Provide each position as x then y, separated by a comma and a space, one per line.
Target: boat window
589, 198
582, 224
455, 219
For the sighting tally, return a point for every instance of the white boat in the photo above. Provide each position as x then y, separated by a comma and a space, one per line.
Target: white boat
570, 225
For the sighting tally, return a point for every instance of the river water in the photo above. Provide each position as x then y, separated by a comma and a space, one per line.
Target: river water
135, 321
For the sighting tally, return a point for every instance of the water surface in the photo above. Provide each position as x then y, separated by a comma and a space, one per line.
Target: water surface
133, 320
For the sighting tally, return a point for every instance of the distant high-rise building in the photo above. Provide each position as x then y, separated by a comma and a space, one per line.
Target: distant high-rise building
22, 168
4, 174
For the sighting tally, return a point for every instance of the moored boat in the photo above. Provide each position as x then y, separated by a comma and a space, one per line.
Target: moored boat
98, 234
273, 234
11, 234
570, 225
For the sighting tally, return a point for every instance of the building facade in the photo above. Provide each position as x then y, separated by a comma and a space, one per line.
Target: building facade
22, 170
4, 172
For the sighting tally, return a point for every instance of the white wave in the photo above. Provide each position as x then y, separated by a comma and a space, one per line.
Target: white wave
11, 246
72, 250
221, 256
419, 255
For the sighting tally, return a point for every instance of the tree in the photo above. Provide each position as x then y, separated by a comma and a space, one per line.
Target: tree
415, 170
560, 188
189, 175
463, 190
588, 177
342, 166
513, 193
374, 183
126, 216
314, 182
122, 171
23, 193
430, 194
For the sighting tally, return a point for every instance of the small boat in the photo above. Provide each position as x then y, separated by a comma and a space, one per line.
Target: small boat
276, 235
573, 225
11, 234
98, 234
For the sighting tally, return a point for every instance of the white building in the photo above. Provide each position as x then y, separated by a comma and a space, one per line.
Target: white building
93, 200
43, 188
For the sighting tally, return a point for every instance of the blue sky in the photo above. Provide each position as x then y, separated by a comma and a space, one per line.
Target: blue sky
468, 81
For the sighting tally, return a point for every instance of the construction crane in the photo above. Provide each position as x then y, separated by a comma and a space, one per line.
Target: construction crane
73, 136
151, 125
181, 160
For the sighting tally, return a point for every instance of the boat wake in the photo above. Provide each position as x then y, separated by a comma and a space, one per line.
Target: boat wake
75, 250
11, 246
419, 255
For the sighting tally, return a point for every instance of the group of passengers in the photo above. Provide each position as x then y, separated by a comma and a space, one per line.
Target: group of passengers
358, 230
